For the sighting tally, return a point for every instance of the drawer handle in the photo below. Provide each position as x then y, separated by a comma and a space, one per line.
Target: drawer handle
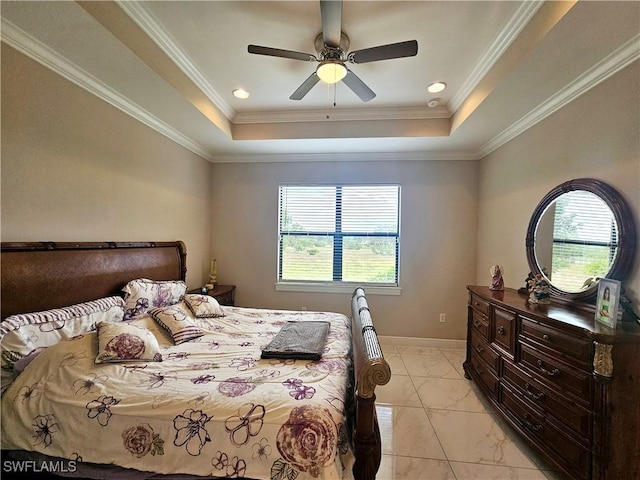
551, 373
501, 330
476, 323
479, 348
535, 396
545, 337
530, 424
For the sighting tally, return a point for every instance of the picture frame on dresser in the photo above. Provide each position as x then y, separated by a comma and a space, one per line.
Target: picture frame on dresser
607, 301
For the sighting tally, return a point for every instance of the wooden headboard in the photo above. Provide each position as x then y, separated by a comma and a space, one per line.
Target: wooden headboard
40, 276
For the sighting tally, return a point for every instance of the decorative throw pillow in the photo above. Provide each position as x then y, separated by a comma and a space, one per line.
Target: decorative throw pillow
124, 342
203, 306
142, 294
176, 320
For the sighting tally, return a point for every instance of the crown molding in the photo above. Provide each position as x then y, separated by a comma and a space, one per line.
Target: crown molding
349, 157
44, 55
17, 38
154, 30
327, 115
512, 29
610, 65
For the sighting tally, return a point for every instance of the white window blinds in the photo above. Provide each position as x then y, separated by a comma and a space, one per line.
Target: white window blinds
339, 233
585, 239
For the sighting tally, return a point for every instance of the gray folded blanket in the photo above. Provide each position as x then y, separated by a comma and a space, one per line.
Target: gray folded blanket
298, 340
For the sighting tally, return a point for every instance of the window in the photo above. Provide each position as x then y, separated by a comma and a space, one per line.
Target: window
339, 234
585, 239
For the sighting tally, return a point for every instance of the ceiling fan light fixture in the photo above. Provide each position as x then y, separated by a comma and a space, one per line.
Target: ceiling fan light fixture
331, 71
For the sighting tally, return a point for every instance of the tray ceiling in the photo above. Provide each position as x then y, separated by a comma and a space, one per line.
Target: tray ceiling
174, 64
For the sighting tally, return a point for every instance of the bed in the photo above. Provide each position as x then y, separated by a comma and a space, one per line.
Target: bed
171, 396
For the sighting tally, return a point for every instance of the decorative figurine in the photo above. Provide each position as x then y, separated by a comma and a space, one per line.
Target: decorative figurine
538, 288
497, 282
213, 275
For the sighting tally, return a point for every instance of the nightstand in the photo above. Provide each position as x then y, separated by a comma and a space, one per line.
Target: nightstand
224, 294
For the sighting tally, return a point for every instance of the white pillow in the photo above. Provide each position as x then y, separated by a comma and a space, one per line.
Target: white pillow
142, 294
203, 306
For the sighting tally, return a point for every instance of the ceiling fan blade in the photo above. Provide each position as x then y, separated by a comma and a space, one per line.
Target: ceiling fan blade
277, 52
331, 13
358, 86
385, 52
307, 85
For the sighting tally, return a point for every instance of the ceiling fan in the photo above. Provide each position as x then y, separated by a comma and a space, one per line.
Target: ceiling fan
332, 45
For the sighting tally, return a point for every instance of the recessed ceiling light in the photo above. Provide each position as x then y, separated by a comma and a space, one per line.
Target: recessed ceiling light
240, 93
436, 87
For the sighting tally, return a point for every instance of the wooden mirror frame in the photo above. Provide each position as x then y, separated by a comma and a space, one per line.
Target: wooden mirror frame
627, 238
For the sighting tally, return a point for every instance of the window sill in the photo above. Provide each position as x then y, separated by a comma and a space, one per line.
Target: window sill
337, 288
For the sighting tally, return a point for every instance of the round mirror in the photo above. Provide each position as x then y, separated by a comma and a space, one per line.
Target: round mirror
580, 232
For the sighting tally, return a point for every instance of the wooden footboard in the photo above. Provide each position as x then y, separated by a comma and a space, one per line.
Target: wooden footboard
370, 370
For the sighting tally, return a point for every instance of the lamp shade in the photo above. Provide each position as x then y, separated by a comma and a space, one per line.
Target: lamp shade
331, 71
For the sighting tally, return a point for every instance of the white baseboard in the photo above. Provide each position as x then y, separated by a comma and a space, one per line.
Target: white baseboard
422, 342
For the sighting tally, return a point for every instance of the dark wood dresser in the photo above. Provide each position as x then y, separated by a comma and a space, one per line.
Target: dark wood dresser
568, 385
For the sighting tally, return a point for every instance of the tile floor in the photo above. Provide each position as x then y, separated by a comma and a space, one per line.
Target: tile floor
434, 426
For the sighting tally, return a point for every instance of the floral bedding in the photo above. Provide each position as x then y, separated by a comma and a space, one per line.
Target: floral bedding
211, 407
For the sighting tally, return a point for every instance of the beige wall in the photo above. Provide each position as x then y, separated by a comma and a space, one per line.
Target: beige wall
597, 136
438, 243
76, 169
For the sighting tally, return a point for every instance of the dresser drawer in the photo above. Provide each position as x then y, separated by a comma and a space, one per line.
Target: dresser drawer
504, 330
488, 380
566, 412
479, 304
479, 323
558, 375
564, 450
542, 381
572, 348
481, 348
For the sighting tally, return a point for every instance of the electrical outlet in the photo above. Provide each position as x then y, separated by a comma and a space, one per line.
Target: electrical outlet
442, 319
304, 309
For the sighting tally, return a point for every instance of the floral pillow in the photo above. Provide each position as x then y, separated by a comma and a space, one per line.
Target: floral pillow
178, 321
22, 334
203, 306
124, 342
142, 294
